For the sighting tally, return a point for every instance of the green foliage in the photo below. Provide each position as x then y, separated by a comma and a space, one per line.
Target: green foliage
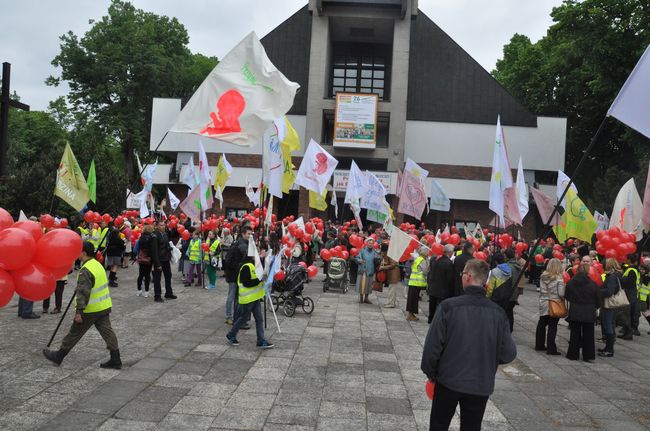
575, 71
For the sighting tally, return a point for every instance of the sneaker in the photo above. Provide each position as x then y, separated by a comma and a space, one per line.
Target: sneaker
31, 316
265, 345
245, 327
158, 299
606, 354
145, 294
55, 311
138, 293
232, 341
229, 322
636, 332
171, 296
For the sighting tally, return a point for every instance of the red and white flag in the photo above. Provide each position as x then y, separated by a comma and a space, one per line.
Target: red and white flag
316, 168
628, 210
239, 99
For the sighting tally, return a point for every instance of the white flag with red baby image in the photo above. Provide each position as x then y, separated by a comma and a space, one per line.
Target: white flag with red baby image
316, 168
240, 98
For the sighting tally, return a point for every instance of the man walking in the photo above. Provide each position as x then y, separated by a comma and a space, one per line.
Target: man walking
231, 265
468, 338
93, 306
440, 284
251, 293
459, 266
161, 256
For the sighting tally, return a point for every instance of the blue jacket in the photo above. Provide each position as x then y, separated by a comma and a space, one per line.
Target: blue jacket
369, 257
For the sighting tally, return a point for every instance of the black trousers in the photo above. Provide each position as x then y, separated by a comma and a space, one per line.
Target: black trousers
542, 338
58, 296
433, 304
413, 300
445, 400
165, 270
582, 336
144, 273
510, 312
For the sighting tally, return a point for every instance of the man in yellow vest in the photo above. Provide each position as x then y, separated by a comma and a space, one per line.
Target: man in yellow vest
251, 293
211, 258
93, 306
417, 283
644, 293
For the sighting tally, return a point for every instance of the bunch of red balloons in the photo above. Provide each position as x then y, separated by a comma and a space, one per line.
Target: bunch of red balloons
615, 243
31, 262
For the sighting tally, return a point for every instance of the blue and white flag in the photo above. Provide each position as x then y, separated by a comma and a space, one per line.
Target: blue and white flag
276, 262
438, 199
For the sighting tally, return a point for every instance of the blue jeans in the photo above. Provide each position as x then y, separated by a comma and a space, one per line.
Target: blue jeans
25, 307
607, 320
230, 300
244, 314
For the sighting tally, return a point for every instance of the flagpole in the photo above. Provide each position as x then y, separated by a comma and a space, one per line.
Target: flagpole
547, 225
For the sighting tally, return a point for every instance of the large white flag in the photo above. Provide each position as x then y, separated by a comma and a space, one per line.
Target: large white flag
373, 198
602, 220
189, 176
252, 252
501, 178
438, 199
415, 169
562, 181
628, 209
316, 168
632, 105
335, 203
399, 242
147, 176
173, 200
142, 196
357, 185
240, 98
522, 190
205, 179
273, 165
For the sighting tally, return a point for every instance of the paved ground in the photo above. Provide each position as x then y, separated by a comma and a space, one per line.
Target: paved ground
344, 367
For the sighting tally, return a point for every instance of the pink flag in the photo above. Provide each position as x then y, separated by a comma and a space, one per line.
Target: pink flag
645, 215
191, 205
511, 205
413, 198
545, 206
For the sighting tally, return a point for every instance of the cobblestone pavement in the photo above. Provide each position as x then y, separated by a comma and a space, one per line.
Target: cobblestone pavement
346, 366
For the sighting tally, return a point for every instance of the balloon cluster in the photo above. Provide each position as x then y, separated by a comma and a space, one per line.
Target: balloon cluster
615, 243
31, 262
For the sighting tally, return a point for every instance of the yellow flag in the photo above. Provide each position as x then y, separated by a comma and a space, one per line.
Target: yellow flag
317, 201
577, 221
71, 185
290, 143
222, 174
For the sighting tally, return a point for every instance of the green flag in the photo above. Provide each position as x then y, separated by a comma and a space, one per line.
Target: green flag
70, 182
92, 182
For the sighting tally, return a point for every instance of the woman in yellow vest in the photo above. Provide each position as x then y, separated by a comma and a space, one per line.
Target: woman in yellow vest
211, 258
93, 306
417, 282
250, 294
195, 255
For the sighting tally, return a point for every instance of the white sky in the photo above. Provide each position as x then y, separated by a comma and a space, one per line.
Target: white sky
31, 29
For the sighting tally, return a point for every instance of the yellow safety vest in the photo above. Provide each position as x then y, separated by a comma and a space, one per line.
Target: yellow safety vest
639, 285
250, 294
195, 251
102, 237
213, 247
417, 277
100, 296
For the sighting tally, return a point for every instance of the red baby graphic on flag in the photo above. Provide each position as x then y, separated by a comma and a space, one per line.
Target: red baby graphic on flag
321, 164
230, 106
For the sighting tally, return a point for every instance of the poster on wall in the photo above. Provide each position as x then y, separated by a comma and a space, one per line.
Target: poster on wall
355, 121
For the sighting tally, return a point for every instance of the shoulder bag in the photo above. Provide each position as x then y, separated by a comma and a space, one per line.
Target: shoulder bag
557, 307
618, 300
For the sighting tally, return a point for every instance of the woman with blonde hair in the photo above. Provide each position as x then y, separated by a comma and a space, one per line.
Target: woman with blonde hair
551, 288
611, 286
582, 293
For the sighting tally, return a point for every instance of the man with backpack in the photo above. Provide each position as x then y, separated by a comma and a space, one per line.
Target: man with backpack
500, 286
441, 279
161, 256
232, 262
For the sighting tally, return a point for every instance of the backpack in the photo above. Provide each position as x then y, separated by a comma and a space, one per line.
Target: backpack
501, 294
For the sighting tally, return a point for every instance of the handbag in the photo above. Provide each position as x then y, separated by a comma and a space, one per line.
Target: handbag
378, 286
618, 300
143, 257
557, 308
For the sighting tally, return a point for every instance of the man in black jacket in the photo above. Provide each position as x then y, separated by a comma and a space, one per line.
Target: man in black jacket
160, 257
459, 265
232, 263
440, 284
468, 338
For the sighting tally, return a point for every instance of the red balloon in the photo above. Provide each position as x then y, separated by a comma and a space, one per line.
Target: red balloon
287, 252
185, 235
6, 220
437, 249
17, 248
306, 238
354, 251
312, 271
58, 248
279, 275
61, 271
309, 228
595, 276
63, 222
444, 237
47, 221
107, 218
180, 229
303, 264
566, 277
31, 227
7, 287
539, 258
99, 257
34, 282
345, 255
182, 216
285, 239
205, 246
454, 239
430, 388
326, 255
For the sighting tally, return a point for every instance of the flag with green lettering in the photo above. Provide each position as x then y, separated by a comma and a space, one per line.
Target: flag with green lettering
92, 182
70, 182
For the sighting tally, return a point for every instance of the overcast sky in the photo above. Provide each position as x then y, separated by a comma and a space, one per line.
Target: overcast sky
31, 29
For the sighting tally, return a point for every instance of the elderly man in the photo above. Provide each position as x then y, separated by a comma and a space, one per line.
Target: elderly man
468, 338
441, 280
417, 282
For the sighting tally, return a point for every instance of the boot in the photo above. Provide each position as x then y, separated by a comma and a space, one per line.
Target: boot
367, 300
55, 356
114, 362
627, 334
608, 351
361, 298
111, 279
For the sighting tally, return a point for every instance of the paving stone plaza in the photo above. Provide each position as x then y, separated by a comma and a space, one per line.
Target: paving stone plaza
345, 367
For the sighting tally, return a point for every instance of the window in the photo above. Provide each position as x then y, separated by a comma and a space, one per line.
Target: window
359, 68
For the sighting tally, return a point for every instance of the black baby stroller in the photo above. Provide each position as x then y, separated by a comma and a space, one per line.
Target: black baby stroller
287, 293
337, 275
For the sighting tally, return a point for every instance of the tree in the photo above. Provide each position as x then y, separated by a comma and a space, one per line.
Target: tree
125, 60
576, 70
